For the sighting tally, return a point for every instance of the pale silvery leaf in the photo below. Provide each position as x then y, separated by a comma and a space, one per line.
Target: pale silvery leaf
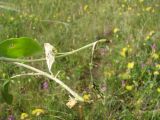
50, 56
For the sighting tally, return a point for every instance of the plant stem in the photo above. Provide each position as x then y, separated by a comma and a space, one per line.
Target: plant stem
77, 97
82, 48
25, 74
58, 56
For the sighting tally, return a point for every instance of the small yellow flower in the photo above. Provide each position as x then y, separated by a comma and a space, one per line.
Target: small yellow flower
125, 76
148, 9
123, 5
23, 116
86, 7
151, 33
108, 73
138, 14
11, 18
139, 101
38, 112
115, 30
158, 66
130, 65
158, 89
156, 73
129, 87
155, 56
123, 52
120, 13
86, 97
129, 8
148, 37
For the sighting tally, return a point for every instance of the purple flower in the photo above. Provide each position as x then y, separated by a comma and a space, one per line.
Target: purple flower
123, 82
153, 47
103, 88
11, 117
44, 85
143, 65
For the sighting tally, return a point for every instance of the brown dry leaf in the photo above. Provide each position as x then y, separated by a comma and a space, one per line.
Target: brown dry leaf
71, 103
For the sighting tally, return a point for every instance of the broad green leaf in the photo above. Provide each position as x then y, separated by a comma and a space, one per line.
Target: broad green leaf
19, 47
8, 98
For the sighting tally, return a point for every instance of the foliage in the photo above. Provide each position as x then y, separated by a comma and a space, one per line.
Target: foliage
122, 80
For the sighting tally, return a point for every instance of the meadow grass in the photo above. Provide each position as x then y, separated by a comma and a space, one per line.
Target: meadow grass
123, 81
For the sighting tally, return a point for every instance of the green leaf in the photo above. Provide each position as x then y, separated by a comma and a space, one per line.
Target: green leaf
8, 98
19, 47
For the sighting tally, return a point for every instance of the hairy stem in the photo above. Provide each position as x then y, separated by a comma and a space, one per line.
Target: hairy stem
77, 97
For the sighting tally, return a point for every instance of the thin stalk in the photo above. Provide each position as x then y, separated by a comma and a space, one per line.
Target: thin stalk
77, 97
58, 56
25, 74
21, 60
82, 48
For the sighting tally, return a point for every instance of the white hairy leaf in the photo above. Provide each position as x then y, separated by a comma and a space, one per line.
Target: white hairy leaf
50, 55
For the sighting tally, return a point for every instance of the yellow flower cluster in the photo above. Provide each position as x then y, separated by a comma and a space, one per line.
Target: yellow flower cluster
38, 112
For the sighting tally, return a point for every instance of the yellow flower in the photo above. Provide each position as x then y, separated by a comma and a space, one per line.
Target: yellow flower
129, 8
11, 18
38, 112
151, 33
158, 66
148, 37
129, 87
23, 116
86, 97
130, 65
115, 30
108, 73
148, 9
138, 14
139, 101
123, 5
124, 51
155, 56
120, 13
86, 7
156, 73
158, 89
